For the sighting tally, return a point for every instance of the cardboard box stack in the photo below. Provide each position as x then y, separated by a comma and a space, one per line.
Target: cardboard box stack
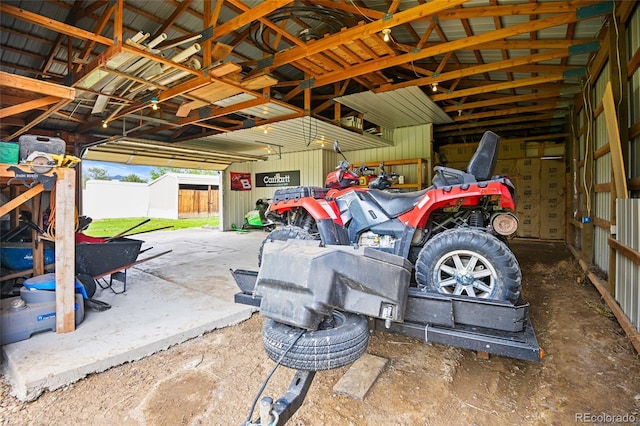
552, 199
540, 183
527, 182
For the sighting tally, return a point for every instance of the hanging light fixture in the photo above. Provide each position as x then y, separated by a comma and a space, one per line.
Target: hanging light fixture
104, 124
386, 34
434, 87
154, 103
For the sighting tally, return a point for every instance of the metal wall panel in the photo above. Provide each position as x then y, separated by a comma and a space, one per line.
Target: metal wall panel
627, 272
602, 174
409, 142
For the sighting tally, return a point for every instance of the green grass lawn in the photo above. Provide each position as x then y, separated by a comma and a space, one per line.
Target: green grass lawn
111, 227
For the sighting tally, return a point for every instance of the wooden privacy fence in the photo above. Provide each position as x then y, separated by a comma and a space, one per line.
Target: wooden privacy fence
198, 202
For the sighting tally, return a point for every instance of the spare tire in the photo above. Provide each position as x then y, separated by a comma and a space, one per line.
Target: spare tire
285, 233
469, 262
344, 342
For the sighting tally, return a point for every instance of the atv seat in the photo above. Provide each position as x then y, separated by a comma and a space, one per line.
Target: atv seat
394, 204
480, 167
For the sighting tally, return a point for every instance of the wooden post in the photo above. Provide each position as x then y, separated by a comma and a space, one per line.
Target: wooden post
36, 245
65, 250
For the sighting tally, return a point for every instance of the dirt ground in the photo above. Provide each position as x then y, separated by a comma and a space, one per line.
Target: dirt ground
590, 372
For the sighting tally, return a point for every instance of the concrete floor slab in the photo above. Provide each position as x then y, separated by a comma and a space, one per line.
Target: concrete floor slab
169, 300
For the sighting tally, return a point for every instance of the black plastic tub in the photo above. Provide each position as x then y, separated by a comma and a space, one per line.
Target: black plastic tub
96, 259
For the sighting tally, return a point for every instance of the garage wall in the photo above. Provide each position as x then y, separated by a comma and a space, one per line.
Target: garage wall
604, 221
410, 142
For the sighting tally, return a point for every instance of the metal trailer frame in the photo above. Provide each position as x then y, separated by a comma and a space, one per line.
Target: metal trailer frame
493, 327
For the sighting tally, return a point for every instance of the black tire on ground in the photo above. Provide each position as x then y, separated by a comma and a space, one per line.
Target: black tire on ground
322, 349
494, 274
285, 233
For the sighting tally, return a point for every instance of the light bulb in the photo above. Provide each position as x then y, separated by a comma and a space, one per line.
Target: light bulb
155, 107
104, 124
434, 87
386, 33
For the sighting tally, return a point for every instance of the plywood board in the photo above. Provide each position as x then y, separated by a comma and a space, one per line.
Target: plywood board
361, 376
212, 92
225, 69
259, 82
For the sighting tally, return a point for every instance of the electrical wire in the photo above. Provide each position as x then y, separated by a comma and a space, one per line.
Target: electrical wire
308, 137
361, 13
273, 370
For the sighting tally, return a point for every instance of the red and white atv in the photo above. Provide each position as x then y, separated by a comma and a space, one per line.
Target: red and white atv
453, 233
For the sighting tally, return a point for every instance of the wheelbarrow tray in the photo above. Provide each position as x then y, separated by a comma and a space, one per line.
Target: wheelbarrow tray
96, 259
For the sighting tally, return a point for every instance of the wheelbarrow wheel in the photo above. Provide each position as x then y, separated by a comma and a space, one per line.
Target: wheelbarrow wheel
337, 343
89, 284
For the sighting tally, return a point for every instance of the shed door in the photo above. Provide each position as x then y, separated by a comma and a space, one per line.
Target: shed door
197, 201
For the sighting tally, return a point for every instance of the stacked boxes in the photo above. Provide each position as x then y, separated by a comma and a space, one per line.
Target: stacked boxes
527, 182
540, 183
552, 199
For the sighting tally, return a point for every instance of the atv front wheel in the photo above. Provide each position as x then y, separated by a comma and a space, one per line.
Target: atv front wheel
283, 234
339, 342
469, 262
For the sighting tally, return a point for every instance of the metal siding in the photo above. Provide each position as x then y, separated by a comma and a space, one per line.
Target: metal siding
627, 292
408, 106
236, 203
410, 142
294, 135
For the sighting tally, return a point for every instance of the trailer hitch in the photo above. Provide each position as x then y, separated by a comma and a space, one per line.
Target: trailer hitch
280, 412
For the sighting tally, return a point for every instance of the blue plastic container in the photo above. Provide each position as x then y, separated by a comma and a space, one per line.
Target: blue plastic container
48, 282
19, 256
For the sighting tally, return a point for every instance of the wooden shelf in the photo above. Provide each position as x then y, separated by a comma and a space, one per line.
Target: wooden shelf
65, 192
421, 174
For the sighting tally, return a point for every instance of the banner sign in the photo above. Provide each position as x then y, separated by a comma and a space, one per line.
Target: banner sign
240, 181
290, 178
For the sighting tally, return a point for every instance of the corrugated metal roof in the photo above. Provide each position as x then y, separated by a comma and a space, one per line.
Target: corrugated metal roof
409, 106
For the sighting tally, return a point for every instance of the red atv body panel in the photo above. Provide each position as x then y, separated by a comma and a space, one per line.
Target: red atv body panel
432, 199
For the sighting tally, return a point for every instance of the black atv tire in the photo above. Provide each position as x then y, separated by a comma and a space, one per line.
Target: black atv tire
285, 233
441, 266
322, 349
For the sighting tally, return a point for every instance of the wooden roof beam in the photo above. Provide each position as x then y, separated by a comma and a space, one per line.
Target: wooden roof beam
360, 31
52, 24
490, 88
251, 15
386, 62
507, 111
502, 100
478, 69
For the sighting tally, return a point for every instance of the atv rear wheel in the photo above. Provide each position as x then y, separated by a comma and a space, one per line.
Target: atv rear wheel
283, 234
469, 262
342, 342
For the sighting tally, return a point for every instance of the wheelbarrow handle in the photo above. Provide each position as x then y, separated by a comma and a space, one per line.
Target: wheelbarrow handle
115, 237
